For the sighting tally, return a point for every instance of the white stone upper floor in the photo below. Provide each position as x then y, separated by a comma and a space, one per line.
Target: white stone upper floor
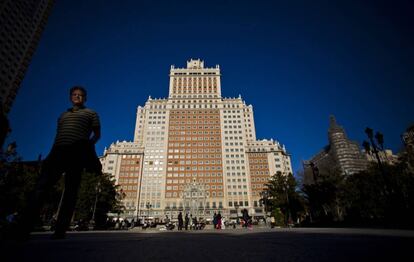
124, 147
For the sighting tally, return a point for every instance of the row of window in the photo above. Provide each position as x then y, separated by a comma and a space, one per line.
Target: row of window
194, 162
202, 149
174, 149
189, 138
128, 187
192, 112
184, 116
179, 88
233, 144
213, 194
235, 193
132, 168
153, 112
213, 187
201, 180
193, 127
156, 117
235, 161
236, 187
194, 96
235, 156
195, 79
234, 150
156, 162
156, 133
181, 205
127, 181
259, 179
189, 133
234, 174
233, 132
200, 174
194, 101
155, 127
153, 168
239, 204
257, 160
234, 180
194, 122
156, 122
195, 156
233, 126
155, 138
193, 168
235, 168
231, 116
152, 151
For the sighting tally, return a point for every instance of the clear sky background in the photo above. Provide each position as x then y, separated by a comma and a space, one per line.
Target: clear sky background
296, 62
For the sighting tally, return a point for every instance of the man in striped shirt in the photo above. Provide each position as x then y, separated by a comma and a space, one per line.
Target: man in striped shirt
78, 129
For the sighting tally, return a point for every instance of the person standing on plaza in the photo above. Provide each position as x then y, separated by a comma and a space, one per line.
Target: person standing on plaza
246, 217
187, 221
191, 222
195, 223
223, 223
180, 221
218, 217
215, 220
73, 151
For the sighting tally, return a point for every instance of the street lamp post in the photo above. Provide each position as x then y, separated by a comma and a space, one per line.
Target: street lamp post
288, 203
265, 197
315, 171
372, 146
236, 206
380, 140
264, 200
148, 205
97, 190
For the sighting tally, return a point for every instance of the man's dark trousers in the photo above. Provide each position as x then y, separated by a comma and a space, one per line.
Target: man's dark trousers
67, 160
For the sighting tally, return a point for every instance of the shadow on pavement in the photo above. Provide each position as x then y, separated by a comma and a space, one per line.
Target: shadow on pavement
238, 245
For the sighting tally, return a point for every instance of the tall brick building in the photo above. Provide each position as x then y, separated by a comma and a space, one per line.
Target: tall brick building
194, 151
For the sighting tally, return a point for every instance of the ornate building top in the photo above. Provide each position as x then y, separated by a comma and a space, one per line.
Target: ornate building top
195, 64
195, 81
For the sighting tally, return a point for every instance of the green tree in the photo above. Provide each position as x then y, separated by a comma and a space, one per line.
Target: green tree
98, 195
374, 199
17, 180
281, 195
324, 196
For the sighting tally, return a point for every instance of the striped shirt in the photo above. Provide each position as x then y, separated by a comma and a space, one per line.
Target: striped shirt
76, 125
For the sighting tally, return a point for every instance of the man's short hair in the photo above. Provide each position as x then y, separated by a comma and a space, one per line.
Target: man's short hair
82, 89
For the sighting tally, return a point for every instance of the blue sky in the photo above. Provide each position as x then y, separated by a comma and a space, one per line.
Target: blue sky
296, 62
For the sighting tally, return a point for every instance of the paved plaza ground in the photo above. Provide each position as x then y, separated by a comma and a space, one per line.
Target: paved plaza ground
259, 244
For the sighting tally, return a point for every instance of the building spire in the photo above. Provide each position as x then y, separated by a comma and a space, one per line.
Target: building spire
332, 121
333, 125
